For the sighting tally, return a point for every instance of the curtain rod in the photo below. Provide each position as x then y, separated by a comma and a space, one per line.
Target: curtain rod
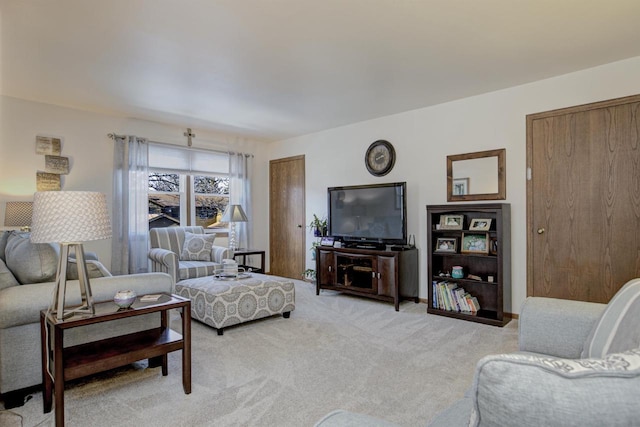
115, 136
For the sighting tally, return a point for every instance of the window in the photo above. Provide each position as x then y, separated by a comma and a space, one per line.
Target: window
187, 187
187, 200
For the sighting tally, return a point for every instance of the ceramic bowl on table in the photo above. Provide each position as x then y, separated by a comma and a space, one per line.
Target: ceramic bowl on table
124, 299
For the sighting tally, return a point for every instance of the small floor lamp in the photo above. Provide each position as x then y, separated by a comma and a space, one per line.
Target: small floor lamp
233, 214
70, 218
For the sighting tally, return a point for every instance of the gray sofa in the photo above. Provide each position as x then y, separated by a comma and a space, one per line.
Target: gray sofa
169, 253
578, 365
27, 275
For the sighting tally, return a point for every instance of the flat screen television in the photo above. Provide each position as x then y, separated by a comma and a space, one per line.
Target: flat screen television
368, 215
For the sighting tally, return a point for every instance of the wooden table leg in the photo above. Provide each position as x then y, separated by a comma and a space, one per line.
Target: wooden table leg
165, 360
186, 349
58, 374
47, 401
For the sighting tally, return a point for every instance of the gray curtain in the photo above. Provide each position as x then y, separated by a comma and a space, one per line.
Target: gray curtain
240, 165
130, 243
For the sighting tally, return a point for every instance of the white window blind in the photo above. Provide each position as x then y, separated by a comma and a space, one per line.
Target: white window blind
189, 161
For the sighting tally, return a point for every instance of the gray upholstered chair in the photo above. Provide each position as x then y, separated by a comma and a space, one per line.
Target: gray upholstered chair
578, 365
198, 258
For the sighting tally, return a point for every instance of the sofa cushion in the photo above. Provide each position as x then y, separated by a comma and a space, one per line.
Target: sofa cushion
197, 247
31, 262
6, 277
617, 329
537, 390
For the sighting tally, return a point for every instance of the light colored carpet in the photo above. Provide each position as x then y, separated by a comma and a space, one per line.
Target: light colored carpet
335, 351
9, 419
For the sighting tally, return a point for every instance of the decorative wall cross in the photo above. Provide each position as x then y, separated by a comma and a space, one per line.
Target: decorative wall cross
189, 135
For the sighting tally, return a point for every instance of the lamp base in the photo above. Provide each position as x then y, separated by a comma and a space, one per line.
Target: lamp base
57, 304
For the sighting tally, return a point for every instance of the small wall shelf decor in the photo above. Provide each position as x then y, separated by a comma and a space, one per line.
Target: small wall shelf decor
470, 265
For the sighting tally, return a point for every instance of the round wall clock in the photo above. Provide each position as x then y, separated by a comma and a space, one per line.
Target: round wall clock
380, 158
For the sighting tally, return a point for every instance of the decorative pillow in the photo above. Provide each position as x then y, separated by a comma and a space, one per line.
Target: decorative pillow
4, 236
94, 269
197, 247
31, 262
617, 329
6, 277
537, 390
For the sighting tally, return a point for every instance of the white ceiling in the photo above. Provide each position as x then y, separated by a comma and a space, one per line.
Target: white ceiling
280, 68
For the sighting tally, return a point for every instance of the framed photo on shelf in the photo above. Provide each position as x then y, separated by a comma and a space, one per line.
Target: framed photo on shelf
447, 244
480, 224
451, 222
475, 243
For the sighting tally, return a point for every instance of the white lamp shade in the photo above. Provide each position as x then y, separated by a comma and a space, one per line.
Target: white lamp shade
69, 216
234, 213
18, 214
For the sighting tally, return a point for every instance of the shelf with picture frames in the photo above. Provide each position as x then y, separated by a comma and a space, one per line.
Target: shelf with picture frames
476, 240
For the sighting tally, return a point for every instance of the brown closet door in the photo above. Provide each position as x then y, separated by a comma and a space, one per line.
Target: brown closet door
287, 230
583, 200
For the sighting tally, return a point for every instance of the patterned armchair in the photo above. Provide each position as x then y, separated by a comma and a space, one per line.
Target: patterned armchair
185, 252
578, 365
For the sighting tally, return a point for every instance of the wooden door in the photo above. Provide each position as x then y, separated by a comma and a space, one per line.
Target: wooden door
287, 247
583, 200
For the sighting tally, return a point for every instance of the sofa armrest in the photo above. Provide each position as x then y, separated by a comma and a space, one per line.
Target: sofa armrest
537, 390
21, 305
164, 261
555, 326
218, 253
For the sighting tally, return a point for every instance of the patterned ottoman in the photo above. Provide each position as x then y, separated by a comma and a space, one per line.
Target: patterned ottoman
222, 303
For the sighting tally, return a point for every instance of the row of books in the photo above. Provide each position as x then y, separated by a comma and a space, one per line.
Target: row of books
448, 296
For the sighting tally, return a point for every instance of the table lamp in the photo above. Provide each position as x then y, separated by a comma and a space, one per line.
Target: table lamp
18, 214
70, 218
233, 214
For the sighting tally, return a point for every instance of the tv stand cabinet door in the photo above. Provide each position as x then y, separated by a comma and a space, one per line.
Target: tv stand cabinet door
387, 273
326, 267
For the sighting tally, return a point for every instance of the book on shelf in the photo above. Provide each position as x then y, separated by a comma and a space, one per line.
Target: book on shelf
449, 296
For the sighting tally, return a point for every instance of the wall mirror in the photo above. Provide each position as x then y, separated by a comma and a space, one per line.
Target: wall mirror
477, 176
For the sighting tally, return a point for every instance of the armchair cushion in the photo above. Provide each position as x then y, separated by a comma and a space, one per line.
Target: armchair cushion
617, 329
31, 262
538, 390
197, 247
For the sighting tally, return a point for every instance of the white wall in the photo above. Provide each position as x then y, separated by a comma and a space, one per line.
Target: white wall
423, 138
85, 142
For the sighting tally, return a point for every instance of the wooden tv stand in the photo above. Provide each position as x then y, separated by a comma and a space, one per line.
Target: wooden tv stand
380, 274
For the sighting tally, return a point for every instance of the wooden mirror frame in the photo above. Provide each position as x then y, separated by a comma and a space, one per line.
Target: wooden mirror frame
501, 154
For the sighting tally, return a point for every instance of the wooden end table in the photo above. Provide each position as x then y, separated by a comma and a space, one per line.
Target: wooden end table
85, 359
246, 252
